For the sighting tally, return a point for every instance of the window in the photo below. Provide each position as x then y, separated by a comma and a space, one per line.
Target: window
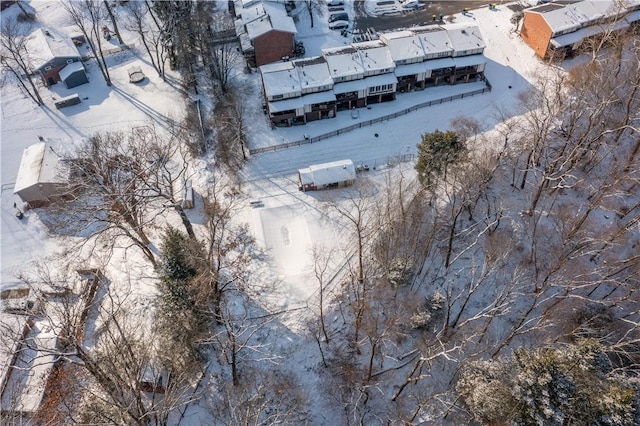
382, 88
275, 97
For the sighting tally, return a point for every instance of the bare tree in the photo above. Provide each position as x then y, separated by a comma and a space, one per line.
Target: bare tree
356, 210
14, 58
231, 137
88, 15
150, 34
222, 54
123, 184
112, 17
264, 398
313, 7
97, 332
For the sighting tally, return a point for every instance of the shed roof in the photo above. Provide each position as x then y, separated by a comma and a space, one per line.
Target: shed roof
46, 44
40, 164
70, 69
328, 173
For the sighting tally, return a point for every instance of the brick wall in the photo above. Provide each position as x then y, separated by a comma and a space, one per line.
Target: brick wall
536, 33
53, 74
272, 46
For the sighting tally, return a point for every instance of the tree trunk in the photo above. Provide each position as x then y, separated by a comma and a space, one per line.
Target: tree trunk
113, 21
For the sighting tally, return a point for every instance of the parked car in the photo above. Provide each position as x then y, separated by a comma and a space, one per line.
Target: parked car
338, 25
332, 3
338, 17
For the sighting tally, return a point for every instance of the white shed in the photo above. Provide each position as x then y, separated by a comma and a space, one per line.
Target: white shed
327, 175
42, 175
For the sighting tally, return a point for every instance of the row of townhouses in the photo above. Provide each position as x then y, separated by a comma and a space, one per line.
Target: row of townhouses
364, 73
561, 28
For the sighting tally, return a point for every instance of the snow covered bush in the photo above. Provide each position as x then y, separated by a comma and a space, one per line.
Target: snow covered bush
420, 319
484, 390
549, 386
400, 271
431, 311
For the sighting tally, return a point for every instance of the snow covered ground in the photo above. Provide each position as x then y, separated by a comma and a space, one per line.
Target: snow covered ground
289, 223
511, 68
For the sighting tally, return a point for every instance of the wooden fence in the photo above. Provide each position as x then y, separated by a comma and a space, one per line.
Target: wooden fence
369, 122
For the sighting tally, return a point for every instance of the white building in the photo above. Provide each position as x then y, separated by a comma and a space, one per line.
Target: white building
42, 175
327, 175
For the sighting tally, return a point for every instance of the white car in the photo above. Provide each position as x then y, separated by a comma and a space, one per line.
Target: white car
339, 25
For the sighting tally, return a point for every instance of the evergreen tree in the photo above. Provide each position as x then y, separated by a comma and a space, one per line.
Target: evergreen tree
436, 152
176, 270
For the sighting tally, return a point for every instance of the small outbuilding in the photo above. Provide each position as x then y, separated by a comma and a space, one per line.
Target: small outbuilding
42, 175
327, 175
73, 75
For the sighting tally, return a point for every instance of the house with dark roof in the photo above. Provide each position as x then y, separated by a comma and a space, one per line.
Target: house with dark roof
561, 28
50, 52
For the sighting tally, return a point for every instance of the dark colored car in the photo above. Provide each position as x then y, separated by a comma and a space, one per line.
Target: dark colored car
338, 17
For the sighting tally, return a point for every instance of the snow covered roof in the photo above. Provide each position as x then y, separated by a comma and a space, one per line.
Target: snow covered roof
70, 69
327, 173
464, 37
349, 86
436, 64
40, 164
313, 73
260, 18
319, 98
380, 80
434, 40
563, 17
466, 61
280, 78
633, 16
344, 62
410, 69
34, 363
404, 45
12, 329
46, 44
300, 102
581, 34
375, 55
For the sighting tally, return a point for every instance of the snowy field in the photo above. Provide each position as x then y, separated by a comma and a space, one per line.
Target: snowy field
287, 223
511, 68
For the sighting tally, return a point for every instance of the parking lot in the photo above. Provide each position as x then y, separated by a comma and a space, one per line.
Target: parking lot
416, 17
